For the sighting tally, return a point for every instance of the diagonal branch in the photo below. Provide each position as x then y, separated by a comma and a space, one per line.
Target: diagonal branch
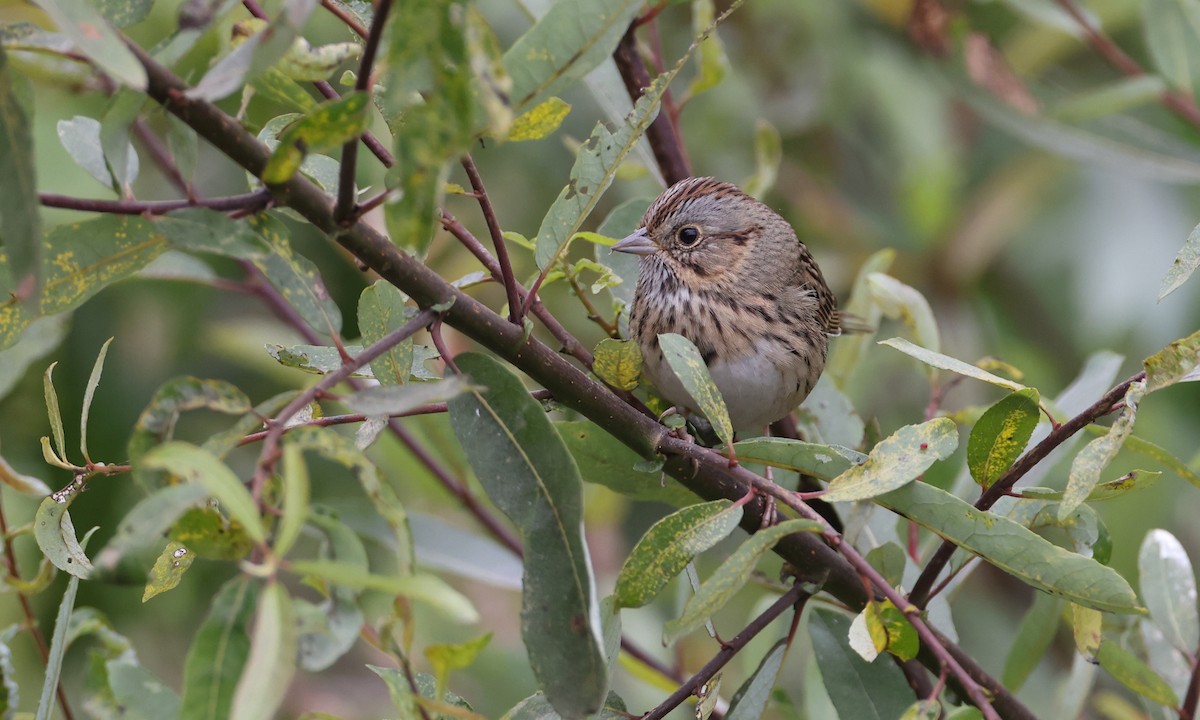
493, 225
701, 470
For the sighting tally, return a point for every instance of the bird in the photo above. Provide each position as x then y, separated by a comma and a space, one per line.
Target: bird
728, 273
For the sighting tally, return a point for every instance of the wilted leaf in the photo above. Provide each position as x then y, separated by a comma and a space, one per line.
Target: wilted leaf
168, 570
539, 121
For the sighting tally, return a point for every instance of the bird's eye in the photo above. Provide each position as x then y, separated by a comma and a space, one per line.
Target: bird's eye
689, 235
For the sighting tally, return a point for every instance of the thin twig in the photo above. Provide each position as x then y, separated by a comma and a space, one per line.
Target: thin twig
350, 21
10, 560
662, 136
921, 588
493, 225
1187, 711
796, 597
610, 329
162, 157
346, 210
247, 201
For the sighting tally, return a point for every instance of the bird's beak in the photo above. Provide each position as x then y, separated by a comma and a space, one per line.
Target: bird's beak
639, 243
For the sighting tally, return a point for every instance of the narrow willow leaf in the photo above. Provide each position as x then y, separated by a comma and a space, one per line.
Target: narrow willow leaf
91, 34
146, 522
945, 362
1174, 363
175, 397
20, 218
399, 399
53, 411
1110, 98
200, 466
1168, 585
526, 470
168, 569
689, 367
1001, 434
732, 576
539, 121
58, 648
824, 462
381, 309
1096, 455
568, 41
1130, 481
295, 499
902, 302
218, 652
26, 484
858, 689
1172, 37
426, 588
668, 546
1134, 674
1014, 549
618, 363
55, 534
272, 659
750, 700
768, 155
604, 460
317, 359
122, 158
896, 461
1034, 636
88, 394
327, 127
1183, 266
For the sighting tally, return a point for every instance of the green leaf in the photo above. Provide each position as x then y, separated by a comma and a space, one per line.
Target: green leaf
1001, 434
123, 13
91, 34
847, 352
668, 546
1096, 455
327, 127
80, 136
446, 658
539, 121
1034, 636
88, 394
1183, 266
175, 397
122, 158
604, 460
53, 411
146, 522
195, 464
1110, 98
1134, 674
768, 155
687, 364
255, 54
20, 218
858, 689
321, 169
58, 642
381, 309
570, 40
338, 620
272, 660
618, 363
55, 534
731, 577
40, 338
218, 652
295, 277
889, 559
1172, 37
945, 362
711, 60
168, 569
923, 710
1168, 586
902, 302
1177, 362
821, 461
426, 588
750, 700
1013, 548
896, 461
295, 499
401, 691
399, 399
526, 470
20, 482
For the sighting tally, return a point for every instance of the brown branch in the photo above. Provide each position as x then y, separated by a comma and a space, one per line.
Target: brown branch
350, 21
346, 210
701, 470
507, 279
162, 157
662, 134
921, 588
1191, 698
796, 597
248, 201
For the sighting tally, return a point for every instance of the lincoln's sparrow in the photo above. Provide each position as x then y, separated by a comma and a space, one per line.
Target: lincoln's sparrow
728, 273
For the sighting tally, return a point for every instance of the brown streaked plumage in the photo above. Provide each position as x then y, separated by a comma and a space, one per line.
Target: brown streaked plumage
728, 273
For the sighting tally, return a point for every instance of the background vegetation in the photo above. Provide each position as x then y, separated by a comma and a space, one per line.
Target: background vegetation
1003, 182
